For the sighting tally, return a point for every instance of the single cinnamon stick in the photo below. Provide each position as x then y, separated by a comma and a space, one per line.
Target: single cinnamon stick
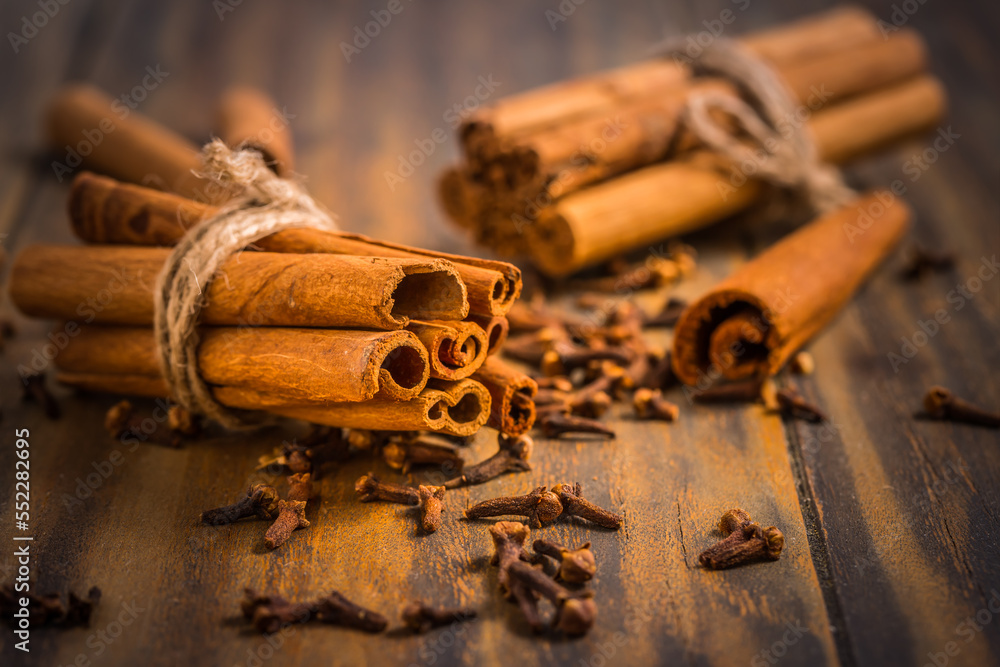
665, 200
298, 365
495, 329
512, 393
248, 117
111, 138
455, 349
114, 284
459, 408
783, 297
104, 211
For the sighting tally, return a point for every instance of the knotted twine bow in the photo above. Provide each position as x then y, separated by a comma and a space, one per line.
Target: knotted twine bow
787, 159
261, 204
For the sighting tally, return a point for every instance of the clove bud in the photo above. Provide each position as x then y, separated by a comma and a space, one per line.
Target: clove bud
540, 507
743, 542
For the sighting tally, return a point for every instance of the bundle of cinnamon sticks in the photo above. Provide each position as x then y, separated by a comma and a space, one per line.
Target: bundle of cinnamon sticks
329, 327
581, 171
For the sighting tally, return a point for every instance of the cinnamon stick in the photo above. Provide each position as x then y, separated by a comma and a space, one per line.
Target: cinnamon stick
762, 314
297, 365
665, 200
115, 284
249, 118
104, 211
512, 394
495, 329
455, 349
459, 408
113, 139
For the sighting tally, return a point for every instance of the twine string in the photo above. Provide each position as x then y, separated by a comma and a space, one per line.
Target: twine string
261, 204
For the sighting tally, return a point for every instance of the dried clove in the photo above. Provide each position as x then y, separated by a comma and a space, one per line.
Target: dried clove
574, 504
668, 315
370, 488
260, 501
730, 392
403, 455
793, 405
34, 389
49, 609
575, 612
121, 420
924, 261
334, 608
554, 425
291, 512
508, 548
431, 506
650, 404
540, 507
803, 364
556, 382
743, 542
420, 618
511, 456
940, 403
575, 565
269, 613
564, 358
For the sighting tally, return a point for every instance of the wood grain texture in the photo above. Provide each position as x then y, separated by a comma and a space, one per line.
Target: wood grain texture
890, 523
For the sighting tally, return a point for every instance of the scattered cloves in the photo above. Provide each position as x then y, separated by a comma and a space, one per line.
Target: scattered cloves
431, 506
50, 609
334, 608
575, 565
512, 456
508, 548
940, 403
270, 613
370, 488
574, 504
260, 501
404, 455
743, 542
35, 389
650, 404
121, 420
291, 512
420, 618
540, 507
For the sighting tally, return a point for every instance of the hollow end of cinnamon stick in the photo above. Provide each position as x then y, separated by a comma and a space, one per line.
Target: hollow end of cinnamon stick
496, 330
513, 396
455, 349
756, 319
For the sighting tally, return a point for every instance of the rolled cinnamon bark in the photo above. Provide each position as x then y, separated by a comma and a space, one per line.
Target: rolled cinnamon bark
496, 330
103, 211
455, 349
672, 198
837, 30
248, 117
460, 408
512, 394
297, 365
113, 139
115, 284
757, 318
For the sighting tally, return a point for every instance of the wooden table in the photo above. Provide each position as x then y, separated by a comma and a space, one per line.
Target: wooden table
892, 524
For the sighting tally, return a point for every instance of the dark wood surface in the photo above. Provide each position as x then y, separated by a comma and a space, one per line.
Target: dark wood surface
892, 524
